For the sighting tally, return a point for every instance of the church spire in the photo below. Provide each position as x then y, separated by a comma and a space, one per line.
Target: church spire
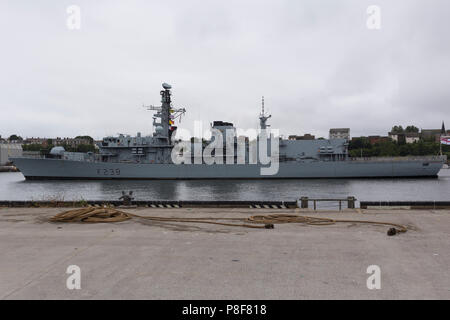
443, 128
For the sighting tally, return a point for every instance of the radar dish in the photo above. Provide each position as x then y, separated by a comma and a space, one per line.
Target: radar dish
166, 86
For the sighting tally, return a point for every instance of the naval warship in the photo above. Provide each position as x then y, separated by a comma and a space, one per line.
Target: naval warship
152, 157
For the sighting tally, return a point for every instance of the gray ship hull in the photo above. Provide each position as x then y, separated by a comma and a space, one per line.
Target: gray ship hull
381, 168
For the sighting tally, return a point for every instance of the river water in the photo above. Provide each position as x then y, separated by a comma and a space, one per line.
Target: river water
13, 186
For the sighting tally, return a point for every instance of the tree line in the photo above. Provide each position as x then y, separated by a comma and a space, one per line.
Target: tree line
362, 147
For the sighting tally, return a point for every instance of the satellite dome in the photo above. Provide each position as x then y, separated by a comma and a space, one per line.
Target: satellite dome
159, 129
57, 151
166, 86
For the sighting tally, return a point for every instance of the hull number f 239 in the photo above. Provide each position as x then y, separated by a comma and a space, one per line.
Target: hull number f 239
108, 172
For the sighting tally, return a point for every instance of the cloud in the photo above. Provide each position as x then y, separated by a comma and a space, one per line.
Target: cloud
315, 62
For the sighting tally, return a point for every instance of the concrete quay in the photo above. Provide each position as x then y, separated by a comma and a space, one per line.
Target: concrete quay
141, 259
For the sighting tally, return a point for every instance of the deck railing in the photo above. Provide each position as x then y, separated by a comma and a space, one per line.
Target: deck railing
406, 158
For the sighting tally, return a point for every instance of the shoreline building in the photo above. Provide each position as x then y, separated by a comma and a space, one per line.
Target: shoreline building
340, 133
405, 137
378, 139
434, 134
72, 142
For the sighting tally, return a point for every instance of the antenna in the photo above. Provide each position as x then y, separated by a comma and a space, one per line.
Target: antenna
262, 104
263, 117
166, 112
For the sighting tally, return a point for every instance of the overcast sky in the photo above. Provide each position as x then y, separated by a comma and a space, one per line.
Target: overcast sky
315, 61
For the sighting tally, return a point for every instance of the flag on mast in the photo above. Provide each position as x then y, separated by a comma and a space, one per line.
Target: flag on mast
445, 140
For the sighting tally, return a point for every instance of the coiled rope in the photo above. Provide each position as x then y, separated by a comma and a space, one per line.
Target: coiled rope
94, 215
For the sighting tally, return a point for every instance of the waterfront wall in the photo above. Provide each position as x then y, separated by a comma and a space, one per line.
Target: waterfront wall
224, 204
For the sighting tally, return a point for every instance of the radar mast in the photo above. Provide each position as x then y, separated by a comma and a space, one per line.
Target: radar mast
166, 113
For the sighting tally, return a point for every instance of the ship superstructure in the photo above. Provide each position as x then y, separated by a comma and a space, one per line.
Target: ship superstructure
146, 149
151, 157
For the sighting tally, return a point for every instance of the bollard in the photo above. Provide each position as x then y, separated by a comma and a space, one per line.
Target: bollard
126, 198
351, 202
304, 202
